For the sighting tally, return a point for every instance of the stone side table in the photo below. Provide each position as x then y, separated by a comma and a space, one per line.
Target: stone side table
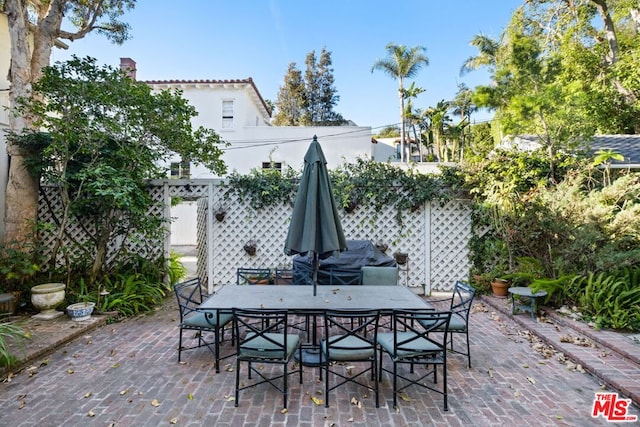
527, 293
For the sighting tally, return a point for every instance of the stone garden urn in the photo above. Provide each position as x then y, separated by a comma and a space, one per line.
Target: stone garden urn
46, 298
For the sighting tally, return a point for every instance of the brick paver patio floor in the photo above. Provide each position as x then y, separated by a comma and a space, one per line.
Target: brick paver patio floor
127, 374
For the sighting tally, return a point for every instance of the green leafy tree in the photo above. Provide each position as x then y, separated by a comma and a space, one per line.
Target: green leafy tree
402, 63
100, 136
309, 100
291, 99
563, 71
34, 27
389, 132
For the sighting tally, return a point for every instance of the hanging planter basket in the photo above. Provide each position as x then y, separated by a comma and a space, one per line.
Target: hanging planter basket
220, 214
401, 257
250, 248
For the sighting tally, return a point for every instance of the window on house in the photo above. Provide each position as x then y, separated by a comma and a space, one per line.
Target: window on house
272, 165
180, 170
227, 114
398, 151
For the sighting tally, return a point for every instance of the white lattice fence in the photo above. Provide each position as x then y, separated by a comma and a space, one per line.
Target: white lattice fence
434, 236
75, 240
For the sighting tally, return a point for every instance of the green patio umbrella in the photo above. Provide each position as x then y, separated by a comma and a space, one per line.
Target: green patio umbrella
315, 227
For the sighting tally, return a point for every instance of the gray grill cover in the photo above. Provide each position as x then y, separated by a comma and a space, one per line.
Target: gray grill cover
344, 268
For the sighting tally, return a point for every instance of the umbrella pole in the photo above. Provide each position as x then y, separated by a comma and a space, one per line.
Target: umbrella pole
315, 273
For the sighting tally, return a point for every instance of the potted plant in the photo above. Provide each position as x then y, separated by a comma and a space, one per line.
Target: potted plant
82, 309
481, 282
500, 287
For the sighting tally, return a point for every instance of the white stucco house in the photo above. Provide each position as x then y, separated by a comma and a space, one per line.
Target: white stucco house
236, 110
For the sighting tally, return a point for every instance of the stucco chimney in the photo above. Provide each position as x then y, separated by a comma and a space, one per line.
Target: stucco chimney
128, 65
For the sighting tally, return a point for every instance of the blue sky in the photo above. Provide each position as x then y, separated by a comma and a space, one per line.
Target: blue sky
208, 39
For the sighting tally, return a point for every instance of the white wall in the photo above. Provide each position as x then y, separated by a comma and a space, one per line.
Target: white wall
253, 141
5, 59
183, 226
289, 145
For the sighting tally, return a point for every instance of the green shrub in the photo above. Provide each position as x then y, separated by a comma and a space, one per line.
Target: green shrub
9, 331
610, 299
176, 270
131, 294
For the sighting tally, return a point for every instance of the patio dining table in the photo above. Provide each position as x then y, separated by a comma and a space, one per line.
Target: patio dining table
299, 300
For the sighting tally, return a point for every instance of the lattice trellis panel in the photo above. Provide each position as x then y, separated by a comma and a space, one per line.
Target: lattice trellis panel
450, 234
435, 238
77, 233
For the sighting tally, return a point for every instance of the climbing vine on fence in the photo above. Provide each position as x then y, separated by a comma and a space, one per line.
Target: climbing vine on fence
363, 182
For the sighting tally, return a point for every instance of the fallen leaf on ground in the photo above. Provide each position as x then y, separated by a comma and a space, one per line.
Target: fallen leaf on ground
91, 414
404, 397
123, 392
70, 371
531, 380
190, 396
284, 411
88, 394
173, 421
155, 402
317, 400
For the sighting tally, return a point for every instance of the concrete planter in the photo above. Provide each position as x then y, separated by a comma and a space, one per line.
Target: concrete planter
46, 298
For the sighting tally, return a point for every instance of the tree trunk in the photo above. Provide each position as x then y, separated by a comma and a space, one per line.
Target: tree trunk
402, 124
614, 51
21, 201
22, 189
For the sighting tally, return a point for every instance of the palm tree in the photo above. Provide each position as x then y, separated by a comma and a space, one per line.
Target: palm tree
412, 117
463, 106
440, 120
401, 63
487, 56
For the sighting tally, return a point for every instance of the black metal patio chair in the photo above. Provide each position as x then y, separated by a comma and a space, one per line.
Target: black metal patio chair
262, 338
350, 336
253, 276
460, 308
411, 344
190, 295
